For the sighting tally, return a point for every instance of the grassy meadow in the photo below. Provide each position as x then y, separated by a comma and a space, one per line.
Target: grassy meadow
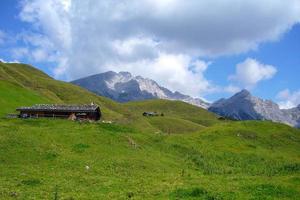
187, 154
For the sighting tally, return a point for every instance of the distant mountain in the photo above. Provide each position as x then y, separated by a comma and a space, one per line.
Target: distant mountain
294, 114
244, 106
124, 87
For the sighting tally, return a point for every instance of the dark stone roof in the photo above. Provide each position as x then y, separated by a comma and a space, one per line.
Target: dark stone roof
150, 113
56, 107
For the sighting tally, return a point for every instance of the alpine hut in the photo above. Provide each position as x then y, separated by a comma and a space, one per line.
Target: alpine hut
88, 112
150, 114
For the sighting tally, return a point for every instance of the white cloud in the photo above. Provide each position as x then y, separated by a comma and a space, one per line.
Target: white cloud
172, 71
38, 48
20, 52
40, 55
288, 99
49, 39
231, 89
52, 18
5, 61
156, 38
250, 72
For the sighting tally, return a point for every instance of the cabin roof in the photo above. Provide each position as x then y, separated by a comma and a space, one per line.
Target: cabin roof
57, 107
150, 113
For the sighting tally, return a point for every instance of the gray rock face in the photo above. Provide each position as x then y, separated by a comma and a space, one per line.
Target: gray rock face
124, 87
294, 114
244, 106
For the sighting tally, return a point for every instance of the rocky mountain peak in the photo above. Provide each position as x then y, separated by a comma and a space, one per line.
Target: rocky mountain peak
109, 73
244, 106
242, 94
125, 74
124, 87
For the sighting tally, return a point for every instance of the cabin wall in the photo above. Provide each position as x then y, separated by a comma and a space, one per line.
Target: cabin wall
79, 115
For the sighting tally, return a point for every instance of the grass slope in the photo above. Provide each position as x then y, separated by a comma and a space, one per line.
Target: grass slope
175, 109
137, 157
42, 159
171, 125
13, 96
179, 117
31, 80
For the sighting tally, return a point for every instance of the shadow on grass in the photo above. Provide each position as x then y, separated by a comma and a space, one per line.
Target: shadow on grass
193, 193
270, 191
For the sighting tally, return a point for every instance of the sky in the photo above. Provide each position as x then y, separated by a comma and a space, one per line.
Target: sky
207, 49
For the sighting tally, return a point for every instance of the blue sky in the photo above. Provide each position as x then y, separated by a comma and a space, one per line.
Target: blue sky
284, 54
225, 48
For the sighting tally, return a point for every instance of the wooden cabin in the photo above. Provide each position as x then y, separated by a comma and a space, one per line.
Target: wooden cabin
150, 114
85, 112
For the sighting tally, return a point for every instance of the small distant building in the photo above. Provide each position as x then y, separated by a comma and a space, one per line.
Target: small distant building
150, 114
221, 118
73, 112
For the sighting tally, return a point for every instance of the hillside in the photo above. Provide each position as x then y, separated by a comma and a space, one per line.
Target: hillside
42, 159
174, 109
25, 85
186, 154
31, 81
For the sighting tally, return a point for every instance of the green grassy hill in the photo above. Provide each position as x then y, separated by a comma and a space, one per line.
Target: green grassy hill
187, 154
176, 109
31, 86
31, 81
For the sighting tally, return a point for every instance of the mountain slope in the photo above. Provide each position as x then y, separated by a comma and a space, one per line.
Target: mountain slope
23, 85
174, 109
124, 87
12, 96
244, 106
30, 79
43, 159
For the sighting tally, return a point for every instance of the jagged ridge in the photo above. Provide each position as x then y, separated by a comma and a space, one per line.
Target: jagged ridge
244, 106
124, 87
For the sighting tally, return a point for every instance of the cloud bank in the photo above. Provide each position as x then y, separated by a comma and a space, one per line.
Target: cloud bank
251, 72
288, 99
160, 39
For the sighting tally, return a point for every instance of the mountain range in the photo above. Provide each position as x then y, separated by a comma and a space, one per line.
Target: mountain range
244, 106
124, 87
